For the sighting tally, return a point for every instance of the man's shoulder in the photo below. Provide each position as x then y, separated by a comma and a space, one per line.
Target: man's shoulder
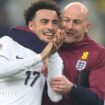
94, 45
8, 42
6, 39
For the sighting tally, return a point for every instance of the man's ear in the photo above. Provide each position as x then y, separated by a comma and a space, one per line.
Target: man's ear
31, 25
88, 26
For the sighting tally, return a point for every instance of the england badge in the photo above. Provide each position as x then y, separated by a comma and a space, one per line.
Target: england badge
80, 65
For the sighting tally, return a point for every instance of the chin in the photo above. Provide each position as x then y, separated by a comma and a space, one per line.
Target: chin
68, 40
46, 40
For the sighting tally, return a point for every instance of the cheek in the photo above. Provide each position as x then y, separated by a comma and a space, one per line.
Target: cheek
82, 30
64, 28
39, 29
56, 27
64, 25
79, 29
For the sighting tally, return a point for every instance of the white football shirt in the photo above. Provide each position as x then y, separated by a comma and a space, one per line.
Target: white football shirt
21, 82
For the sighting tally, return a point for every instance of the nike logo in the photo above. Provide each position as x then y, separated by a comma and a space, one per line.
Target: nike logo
18, 57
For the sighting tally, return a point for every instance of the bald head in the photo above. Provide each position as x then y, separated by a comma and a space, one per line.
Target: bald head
75, 22
77, 6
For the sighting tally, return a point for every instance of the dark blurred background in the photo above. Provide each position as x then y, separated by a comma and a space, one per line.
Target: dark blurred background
12, 14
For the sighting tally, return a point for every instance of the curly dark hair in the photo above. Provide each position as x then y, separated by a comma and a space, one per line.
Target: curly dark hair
31, 11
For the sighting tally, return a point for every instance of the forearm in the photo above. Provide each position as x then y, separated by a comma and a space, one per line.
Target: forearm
10, 68
84, 96
55, 68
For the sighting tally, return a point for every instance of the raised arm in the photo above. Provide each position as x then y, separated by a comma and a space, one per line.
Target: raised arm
8, 67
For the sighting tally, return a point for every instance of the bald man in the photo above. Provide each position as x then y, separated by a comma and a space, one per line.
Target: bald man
84, 61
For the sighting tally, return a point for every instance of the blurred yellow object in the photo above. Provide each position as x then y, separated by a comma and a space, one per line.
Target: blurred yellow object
100, 5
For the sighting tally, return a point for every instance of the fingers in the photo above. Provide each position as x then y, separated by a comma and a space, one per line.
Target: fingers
59, 39
57, 84
58, 80
61, 84
53, 45
47, 51
44, 70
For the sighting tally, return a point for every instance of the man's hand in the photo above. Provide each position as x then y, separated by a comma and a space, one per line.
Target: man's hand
59, 39
44, 70
53, 45
61, 84
47, 51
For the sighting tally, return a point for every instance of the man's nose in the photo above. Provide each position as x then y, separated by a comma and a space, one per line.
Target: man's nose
70, 25
50, 26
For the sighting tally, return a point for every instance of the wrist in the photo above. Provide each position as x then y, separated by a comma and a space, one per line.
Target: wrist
74, 86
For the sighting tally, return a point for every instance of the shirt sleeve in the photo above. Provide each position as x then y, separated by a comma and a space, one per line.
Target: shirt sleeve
85, 96
9, 68
97, 76
55, 68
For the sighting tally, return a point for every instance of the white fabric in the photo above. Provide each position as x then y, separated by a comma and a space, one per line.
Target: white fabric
17, 75
55, 67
